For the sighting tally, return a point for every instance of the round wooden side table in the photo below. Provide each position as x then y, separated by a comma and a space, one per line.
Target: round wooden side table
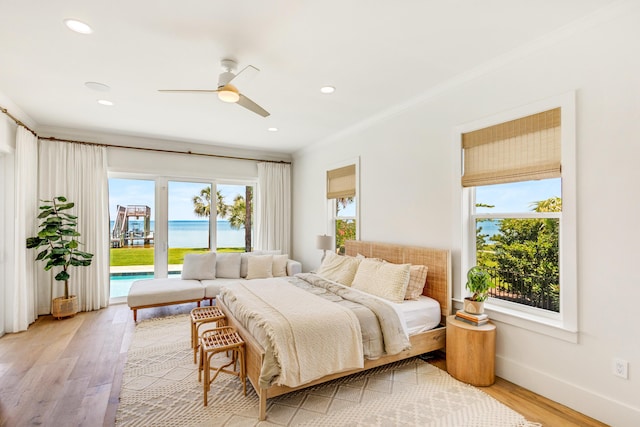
471, 352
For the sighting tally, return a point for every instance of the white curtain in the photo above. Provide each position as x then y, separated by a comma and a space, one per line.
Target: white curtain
273, 207
79, 173
21, 302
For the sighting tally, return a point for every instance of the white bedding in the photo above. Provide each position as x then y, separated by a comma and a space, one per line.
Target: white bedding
421, 315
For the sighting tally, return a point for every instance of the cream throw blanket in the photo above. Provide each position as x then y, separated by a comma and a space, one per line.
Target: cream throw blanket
316, 338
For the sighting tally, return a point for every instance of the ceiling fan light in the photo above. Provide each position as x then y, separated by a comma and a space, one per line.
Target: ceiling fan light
229, 94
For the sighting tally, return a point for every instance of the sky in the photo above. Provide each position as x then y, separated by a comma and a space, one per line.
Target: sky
517, 196
141, 192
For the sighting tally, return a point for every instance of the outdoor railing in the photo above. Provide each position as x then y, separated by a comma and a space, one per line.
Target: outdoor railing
534, 291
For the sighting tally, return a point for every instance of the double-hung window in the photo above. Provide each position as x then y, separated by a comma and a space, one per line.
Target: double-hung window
343, 204
519, 217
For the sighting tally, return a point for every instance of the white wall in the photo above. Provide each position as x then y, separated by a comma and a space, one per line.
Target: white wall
407, 159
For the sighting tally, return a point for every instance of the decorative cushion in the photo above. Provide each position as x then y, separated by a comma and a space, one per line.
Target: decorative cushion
339, 268
199, 266
279, 267
417, 281
383, 279
228, 265
245, 257
259, 267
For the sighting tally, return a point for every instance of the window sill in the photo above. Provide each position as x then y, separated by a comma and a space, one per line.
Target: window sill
551, 327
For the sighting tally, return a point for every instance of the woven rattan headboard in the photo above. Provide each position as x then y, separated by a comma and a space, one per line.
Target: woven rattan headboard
437, 260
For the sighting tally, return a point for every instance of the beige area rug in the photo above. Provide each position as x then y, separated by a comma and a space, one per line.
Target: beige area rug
160, 388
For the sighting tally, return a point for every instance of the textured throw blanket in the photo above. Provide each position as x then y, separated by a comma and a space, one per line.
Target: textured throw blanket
310, 337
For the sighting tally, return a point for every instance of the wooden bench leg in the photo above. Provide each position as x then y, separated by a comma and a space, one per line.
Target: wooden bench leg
135, 315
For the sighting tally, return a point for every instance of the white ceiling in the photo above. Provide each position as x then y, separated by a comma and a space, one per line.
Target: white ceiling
378, 54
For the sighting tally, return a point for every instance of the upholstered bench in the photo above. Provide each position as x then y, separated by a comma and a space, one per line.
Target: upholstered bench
204, 276
158, 292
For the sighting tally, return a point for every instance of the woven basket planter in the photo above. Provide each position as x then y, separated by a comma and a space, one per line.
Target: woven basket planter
64, 307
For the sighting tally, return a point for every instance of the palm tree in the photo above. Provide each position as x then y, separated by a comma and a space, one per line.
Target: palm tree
202, 205
240, 216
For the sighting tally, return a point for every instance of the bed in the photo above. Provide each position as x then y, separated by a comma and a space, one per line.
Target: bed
438, 288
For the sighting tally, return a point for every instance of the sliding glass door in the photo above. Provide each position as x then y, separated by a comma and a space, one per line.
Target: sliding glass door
188, 222
155, 222
132, 232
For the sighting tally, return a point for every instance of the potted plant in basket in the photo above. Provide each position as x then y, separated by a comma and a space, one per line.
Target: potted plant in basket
478, 283
58, 237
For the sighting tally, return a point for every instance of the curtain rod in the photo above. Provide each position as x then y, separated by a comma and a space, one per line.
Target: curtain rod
220, 156
18, 122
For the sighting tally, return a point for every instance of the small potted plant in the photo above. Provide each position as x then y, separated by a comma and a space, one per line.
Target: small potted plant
58, 237
478, 283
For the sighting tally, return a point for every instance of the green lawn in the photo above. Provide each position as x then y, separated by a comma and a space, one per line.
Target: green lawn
144, 256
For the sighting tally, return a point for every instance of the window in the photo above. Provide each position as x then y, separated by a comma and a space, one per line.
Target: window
342, 185
156, 221
518, 214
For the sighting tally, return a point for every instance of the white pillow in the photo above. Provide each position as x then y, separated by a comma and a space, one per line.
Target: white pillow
199, 266
228, 265
383, 279
339, 268
245, 256
280, 265
259, 266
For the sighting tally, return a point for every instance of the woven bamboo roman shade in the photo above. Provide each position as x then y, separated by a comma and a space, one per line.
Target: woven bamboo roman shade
524, 149
341, 182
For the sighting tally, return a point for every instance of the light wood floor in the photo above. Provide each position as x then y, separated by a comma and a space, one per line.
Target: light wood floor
68, 373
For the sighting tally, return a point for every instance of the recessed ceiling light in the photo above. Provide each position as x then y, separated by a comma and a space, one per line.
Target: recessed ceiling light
273, 129
100, 87
105, 102
78, 26
327, 89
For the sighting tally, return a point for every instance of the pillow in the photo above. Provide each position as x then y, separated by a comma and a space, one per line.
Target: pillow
280, 265
339, 268
417, 280
199, 266
245, 256
383, 279
259, 266
228, 265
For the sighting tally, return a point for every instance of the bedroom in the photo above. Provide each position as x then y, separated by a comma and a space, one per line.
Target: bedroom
412, 144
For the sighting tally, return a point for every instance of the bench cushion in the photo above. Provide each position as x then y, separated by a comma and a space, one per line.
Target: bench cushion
212, 287
163, 291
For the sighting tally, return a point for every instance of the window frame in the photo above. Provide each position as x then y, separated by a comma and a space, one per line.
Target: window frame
331, 204
562, 325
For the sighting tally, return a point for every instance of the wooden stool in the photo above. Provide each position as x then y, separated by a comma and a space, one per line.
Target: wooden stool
200, 316
214, 341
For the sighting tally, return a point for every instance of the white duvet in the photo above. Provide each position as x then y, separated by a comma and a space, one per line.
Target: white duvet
316, 338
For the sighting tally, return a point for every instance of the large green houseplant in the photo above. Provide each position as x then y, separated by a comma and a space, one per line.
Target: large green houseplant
479, 283
57, 236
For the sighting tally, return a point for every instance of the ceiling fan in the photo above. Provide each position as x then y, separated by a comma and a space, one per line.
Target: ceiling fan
226, 91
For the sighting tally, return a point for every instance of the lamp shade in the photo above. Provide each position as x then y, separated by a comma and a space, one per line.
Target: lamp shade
324, 242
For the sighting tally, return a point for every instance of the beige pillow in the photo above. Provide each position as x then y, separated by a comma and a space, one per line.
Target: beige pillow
228, 265
417, 281
244, 257
199, 266
279, 267
383, 279
338, 268
259, 266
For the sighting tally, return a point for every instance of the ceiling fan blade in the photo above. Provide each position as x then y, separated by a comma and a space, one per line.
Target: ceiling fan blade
244, 75
188, 90
252, 106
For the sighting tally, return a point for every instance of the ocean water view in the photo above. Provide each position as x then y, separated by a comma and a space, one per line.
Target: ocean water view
195, 233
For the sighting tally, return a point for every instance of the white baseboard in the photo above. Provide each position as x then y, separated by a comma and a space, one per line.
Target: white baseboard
588, 402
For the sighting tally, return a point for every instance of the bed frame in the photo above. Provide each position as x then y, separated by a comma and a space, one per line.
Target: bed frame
438, 287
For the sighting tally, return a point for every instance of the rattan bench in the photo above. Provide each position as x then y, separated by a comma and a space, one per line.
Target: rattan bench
219, 340
199, 317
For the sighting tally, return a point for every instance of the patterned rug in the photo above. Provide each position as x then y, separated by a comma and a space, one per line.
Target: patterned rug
160, 388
